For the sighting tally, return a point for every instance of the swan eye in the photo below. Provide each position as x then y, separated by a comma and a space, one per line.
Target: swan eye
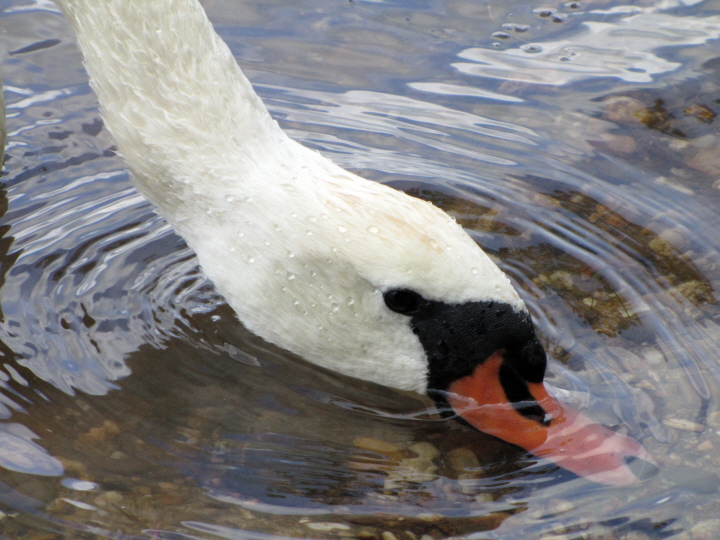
403, 301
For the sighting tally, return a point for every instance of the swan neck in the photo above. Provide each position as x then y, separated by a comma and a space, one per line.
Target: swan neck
170, 91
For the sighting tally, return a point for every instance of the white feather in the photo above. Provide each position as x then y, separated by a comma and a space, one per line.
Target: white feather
300, 248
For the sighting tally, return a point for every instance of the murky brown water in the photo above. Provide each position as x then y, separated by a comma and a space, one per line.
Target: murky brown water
577, 142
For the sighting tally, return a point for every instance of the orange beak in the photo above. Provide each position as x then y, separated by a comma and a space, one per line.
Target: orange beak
565, 436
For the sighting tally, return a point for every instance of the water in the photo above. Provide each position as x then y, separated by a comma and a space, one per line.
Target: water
576, 142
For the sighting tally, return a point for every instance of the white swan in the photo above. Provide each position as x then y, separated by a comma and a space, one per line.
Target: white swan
347, 273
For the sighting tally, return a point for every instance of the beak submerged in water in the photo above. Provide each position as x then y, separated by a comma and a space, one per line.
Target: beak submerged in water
547, 428
486, 362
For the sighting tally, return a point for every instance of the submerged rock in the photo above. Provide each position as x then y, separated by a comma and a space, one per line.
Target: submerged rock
706, 530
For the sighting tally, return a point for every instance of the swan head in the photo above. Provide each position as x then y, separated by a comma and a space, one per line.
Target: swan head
372, 283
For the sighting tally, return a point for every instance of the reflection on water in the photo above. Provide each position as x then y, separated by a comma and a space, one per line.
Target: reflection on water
624, 49
577, 144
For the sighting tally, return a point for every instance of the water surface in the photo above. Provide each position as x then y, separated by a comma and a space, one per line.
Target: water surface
577, 143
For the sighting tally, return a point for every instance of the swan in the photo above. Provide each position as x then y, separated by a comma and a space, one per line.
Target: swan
347, 273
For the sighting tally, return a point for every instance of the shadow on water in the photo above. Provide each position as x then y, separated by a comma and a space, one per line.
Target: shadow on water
134, 405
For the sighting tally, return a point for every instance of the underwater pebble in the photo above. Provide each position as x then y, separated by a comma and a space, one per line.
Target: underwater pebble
75, 468
634, 535
694, 290
168, 486
706, 530
618, 144
678, 144
468, 483
652, 356
705, 446
714, 419
462, 459
707, 160
661, 247
562, 279
685, 425
109, 498
327, 526
552, 508
560, 506
387, 535
376, 445
425, 451
622, 109
109, 429
415, 469
674, 237
429, 517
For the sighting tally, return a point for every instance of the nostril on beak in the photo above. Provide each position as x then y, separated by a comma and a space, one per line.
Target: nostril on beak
641, 468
